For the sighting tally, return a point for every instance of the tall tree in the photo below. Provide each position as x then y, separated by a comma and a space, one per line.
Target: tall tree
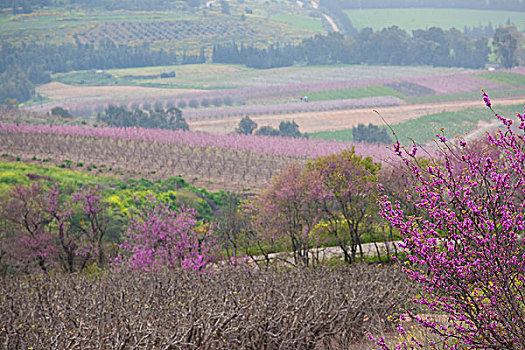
505, 46
348, 195
287, 212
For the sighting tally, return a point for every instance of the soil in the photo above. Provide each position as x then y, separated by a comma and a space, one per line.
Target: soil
346, 119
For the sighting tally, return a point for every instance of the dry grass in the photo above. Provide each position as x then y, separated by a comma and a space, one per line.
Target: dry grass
339, 120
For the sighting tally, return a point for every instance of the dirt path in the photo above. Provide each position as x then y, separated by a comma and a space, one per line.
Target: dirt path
315, 5
339, 120
332, 23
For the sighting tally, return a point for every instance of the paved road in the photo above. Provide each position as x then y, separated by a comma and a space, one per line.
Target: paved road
326, 253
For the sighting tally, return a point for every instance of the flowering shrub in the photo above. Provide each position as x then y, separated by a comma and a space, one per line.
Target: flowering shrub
161, 237
466, 251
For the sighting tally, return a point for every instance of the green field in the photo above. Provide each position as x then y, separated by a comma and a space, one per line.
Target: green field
465, 96
503, 78
411, 19
59, 26
358, 92
424, 129
339, 135
268, 22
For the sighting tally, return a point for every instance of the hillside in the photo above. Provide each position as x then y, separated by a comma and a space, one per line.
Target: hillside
182, 26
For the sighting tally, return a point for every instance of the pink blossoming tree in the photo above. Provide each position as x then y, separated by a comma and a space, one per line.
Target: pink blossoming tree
286, 213
159, 237
466, 252
45, 229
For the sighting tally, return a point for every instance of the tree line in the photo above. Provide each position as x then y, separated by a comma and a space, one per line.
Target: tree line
390, 46
157, 118
251, 56
286, 129
23, 66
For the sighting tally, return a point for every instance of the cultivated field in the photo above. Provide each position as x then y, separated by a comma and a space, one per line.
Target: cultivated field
340, 120
232, 162
60, 91
214, 97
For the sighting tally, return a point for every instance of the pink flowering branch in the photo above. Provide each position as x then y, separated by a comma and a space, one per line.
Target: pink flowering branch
466, 252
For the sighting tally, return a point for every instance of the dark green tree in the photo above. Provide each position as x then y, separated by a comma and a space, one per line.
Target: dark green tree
180, 123
14, 84
60, 112
157, 118
246, 126
267, 131
289, 129
370, 134
505, 46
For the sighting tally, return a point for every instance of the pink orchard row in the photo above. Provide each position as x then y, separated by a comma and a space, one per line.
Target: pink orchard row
290, 147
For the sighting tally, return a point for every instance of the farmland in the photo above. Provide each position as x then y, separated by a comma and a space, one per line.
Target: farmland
211, 76
414, 18
340, 97
183, 174
312, 122
231, 162
424, 128
183, 28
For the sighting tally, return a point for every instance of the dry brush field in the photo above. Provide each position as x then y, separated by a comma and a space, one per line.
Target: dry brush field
224, 309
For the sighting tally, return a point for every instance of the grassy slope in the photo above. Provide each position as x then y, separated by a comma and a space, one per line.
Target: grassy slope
503, 78
410, 19
115, 191
299, 22
465, 96
359, 92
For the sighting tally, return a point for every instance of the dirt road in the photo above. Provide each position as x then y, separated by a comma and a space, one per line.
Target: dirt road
332, 23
